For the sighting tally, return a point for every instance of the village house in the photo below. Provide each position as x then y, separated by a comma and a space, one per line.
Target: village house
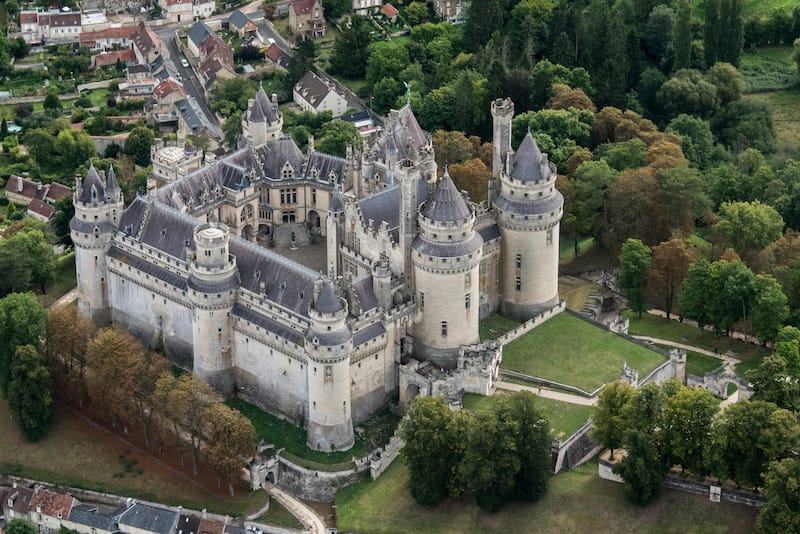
36, 196
186, 10
390, 12
145, 519
37, 27
367, 7
48, 510
449, 10
104, 59
148, 46
313, 94
242, 24
165, 95
277, 56
92, 519
109, 39
16, 503
306, 17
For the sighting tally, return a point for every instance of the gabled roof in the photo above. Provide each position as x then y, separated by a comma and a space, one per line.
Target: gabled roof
276, 55
239, 19
187, 524
527, 165
25, 187
167, 87
20, 499
208, 526
52, 504
446, 204
389, 10
40, 208
262, 109
123, 32
145, 39
303, 7
110, 58
149, 519
312, 89
28, 17
65, 19
198, 32
94, 516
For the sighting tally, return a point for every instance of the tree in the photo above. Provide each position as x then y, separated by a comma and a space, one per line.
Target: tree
532, 443
782, 512
141, 388
635, 260
68, 334
770, 308
659, 32
483, 18
688, 92
138, 144
670, 267
491, 460
51, 101
728, 81
777, 377
686, 429
305, 53
40, 144
427, 450
451, 147
26, 258
74, 148
232, 95
20, 526
230, 442
642, 469
745, 124
385, 94
386, 59
29, 399
609, 424
336, 136
416, 12
732, 37
796, 53
711, 31
232, 129
351, 48
22, 321
697, 141
590, 184
748, 226
565, 97
473, 177
682, 37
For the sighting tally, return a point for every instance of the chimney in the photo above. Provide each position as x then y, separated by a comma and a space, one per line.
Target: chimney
275, 100
310, 144
19, 184
38, 186
317, 289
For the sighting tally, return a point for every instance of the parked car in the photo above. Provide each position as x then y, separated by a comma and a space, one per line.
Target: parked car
185, 63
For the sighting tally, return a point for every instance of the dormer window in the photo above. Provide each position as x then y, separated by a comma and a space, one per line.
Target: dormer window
332, 177
287, 172
314, 172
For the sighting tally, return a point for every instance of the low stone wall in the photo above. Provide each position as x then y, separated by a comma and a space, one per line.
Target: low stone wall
662, 373
714, 492
532, 323
384, 458
316, 485
573, 450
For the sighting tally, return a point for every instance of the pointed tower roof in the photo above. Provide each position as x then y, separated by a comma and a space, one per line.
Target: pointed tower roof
327, 301
447, 204
112, 186
262, 109
415, 132
336, 205
527, 161
93, 188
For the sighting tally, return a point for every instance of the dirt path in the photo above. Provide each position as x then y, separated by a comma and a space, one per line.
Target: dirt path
730, 359
548, 393
303, 513
66, 299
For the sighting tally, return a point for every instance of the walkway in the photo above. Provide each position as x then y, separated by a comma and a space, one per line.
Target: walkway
303, 513
749, 338
548, 393
66, 298
730, 359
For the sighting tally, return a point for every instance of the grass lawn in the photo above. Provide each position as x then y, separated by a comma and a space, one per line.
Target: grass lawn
75, 453
593, 258
564, 418
280, 516
785, 114
572, 351
495, 326
700, 364
769, 69
651, 325
285, 435
566, 248
64, 281
575, 502
749, 7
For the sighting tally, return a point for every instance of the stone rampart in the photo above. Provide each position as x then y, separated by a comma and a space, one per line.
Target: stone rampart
532, 323
317, 485
574, 450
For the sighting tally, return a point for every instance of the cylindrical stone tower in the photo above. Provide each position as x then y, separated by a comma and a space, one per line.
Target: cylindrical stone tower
98, 207
529, 209
329, 342
213, 283
446, 257
502, 113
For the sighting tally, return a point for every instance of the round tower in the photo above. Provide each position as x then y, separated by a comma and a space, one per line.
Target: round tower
446, 257
529, 209
263, 121
502, 113
334, 231
329, 342
98, 207
213, 282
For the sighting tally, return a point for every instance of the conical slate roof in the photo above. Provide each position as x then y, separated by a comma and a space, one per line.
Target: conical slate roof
527, 161
327, 301
262, 110
93, 188
112, 186
447, 204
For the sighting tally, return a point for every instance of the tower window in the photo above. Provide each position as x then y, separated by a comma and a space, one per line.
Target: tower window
444, 328
467, 280
421, 300
466, 301
550, 236
518, 261
518, 283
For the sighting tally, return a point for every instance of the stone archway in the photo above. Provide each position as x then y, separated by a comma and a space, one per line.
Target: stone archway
314, 223
409, 394
249, 232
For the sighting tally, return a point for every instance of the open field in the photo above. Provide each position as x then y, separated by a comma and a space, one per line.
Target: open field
768, 69
749, 7
285, 435
593, 258
572, 351
785, 114
564, 418
279, 515
575, 502
566, 248
79, 454
651, 325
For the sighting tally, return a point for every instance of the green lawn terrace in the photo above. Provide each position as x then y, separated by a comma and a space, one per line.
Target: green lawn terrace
564, 418
573, 351
576, 501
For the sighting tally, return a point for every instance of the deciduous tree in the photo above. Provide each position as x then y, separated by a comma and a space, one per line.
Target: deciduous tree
670, 267
635, 260
749, 226
29, 398
782, 512
643, 469
230, 442
68, 335
22, 322
138, 144
686, 427
609, 423
770, 308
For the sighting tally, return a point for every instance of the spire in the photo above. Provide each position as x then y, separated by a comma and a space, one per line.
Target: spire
447, 203
527, 160
327, 301
93, 188
112, 186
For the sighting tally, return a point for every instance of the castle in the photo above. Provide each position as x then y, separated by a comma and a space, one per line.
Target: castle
410, 267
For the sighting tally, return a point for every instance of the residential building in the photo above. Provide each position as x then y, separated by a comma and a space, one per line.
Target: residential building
307, 17
177, 10
242, 24
148, 46
48, 510
277, 56
196, 35
449, 10
165, 95
145, 519
367, 7
36, 196
37, 27
109, 39
314, 94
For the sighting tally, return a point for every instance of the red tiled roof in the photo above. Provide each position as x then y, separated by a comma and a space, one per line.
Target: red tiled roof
168, 87
65, 19
51, 504
123, 32
389, 10
45, 210
109, 58
58, 191
28, 18
301, 7
208, 526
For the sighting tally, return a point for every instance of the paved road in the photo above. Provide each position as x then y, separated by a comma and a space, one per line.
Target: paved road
303, 513
548, 393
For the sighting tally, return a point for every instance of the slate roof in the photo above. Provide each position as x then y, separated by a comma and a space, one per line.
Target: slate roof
529, 164
262, 109
403, 136
365, 334
446, 204
94, 516
148, 518
489, 233
239, 19
188, 524
364, 292
146, 267
312, 89
530, 206
194, 123
385, 206
270, 325
144, 39
449, 249
327, 301
21, 499
323, 165
198, 32
93, 188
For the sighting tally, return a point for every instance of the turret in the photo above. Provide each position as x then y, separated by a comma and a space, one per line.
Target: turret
529, 209
446, 257
409, 176
382, 282
334, 231
98, 207
502, 113
213, 282
263, 121
329, 342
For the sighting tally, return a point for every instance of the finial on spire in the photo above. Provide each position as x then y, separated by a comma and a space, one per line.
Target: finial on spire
408, 93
